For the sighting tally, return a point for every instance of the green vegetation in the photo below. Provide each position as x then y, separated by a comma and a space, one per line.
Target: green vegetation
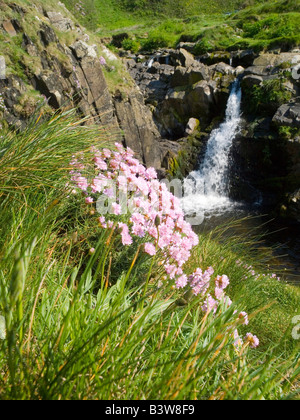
288, 133
266, 98
77, 324
259, 25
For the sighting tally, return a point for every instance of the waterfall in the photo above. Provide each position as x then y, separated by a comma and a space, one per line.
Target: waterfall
206, 189
150, 62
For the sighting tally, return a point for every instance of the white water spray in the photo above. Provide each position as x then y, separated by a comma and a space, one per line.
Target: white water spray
150, 63
206, 190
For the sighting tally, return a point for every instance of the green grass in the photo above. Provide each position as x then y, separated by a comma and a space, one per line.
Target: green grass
151, 26
82, 326
246, 263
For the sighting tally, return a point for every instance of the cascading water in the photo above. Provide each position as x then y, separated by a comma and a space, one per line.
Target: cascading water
206, 190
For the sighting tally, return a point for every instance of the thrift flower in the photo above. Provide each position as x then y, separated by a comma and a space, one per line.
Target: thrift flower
150, 248
243, 316
89, 200
252, 340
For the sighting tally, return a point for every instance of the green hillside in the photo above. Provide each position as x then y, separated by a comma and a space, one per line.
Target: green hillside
214, 25
113, 14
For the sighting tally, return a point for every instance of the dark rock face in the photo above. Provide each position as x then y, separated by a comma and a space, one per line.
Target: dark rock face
267, 160
139, 129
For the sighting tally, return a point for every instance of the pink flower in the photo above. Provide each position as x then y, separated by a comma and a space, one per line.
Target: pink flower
219, 293
151, 173
252, 340
102, 61
120, 147
238, 342
89, 200
209, 305
150, 248
116, 208
98, 184
222, 282
243, 316
106, 153
81, 182
199, 281
181, 282
126, 238
100, 164
138, 230
102, 222
226, 301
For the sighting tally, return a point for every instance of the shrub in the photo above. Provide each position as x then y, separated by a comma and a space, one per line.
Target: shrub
267, 97
131, 45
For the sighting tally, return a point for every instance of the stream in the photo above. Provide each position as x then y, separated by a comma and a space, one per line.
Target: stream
207, 201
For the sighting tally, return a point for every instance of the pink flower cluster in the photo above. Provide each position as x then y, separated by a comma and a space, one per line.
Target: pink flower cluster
201, 282
155, 213
152, 214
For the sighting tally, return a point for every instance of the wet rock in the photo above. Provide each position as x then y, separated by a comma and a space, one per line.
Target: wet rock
244, 58
216, 57
222, 68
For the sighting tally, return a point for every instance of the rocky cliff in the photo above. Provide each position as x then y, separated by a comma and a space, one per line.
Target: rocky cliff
52, 63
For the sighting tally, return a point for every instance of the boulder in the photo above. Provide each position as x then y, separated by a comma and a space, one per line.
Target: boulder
81, 49
216, 57
265, 60
293, 205
252, 80
288, 115
182, 57
118, 39
47, 35
191, 126
184, 76
257, 71
188, 46
244, 58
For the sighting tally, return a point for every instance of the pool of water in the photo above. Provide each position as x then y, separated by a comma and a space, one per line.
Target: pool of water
280, 238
